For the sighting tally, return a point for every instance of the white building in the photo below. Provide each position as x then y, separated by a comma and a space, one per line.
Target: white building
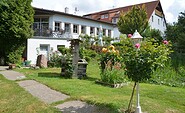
53, 29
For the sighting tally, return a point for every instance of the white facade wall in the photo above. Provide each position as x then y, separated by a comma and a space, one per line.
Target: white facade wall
80, 21
155, 25
33, 45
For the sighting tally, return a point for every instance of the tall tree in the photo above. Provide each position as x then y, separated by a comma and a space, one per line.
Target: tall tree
175, 32
16, 18
135, 19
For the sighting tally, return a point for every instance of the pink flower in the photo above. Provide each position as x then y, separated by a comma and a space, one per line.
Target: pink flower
137, 45
129, 35
165, 42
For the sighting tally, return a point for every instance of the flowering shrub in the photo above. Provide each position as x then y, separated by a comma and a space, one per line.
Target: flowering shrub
55, 59
143, 59
110, 65
109, 54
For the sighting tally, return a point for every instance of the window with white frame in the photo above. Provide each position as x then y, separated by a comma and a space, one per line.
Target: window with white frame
67, 27
83, 29
104, 32
102, 16
75, 28
91, 30
106, 15
57, 26
152, 18
98, 30
109, 33
158, 21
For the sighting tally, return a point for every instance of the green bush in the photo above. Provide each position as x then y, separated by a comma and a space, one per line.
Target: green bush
15, 57
55, 59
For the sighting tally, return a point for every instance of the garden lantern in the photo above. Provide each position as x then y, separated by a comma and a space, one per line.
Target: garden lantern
136, 37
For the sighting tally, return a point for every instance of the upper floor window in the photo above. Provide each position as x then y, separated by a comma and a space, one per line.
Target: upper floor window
104, 32
83, 29
67, 27
158, 21
106, 15
102, 16
98, 30
57, 26
91, 30
109, 33
152, 18
75, 28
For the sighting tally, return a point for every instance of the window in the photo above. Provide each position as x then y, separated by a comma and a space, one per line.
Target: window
106, 15
158, 21
102, 16
43, 47
41, 26
60, 46
91, 30
98, 30
109, 33
83, 29
57, 26
67, 27
104, 32
75, 28
152, 18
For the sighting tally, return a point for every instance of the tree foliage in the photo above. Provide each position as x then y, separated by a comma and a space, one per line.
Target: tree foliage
16, 18
135, 19
175, 32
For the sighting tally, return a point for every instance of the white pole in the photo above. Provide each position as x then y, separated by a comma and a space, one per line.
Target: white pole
138, 108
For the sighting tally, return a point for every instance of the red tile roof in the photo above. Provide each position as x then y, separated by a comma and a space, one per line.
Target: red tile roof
150, 7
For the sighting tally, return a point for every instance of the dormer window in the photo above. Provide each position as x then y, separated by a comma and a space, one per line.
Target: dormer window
102, 16
106, 15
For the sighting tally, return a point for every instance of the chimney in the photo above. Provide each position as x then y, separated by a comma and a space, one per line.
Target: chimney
66, 10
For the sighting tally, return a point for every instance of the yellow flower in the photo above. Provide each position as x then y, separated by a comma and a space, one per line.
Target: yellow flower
104, 50
112, 47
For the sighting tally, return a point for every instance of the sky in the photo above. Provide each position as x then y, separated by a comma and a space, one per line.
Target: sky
171, 8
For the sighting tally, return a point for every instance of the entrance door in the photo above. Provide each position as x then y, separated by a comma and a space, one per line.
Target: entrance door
44, 50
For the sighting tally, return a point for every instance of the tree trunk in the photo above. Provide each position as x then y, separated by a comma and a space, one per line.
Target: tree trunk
131, 99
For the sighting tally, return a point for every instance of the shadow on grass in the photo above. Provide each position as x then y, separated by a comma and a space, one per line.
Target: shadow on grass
90, 78
50, 75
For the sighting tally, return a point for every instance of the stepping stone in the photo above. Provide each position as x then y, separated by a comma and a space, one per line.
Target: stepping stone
42, 92
12, 75
3, 68
80, 107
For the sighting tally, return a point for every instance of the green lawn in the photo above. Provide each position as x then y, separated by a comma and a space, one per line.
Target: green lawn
153, 98
14, 99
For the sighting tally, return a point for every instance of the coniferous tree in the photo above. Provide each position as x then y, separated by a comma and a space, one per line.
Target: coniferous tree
135, 19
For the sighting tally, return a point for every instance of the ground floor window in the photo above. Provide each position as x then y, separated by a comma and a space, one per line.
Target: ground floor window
67, 27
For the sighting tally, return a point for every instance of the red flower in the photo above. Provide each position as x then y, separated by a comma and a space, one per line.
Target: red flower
129, 35
165, 42
137, 45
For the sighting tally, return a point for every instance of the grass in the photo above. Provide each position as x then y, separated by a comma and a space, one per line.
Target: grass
14, 99
153, 98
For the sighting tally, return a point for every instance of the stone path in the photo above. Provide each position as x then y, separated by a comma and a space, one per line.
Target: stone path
42, 92
49, 95
12, 75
